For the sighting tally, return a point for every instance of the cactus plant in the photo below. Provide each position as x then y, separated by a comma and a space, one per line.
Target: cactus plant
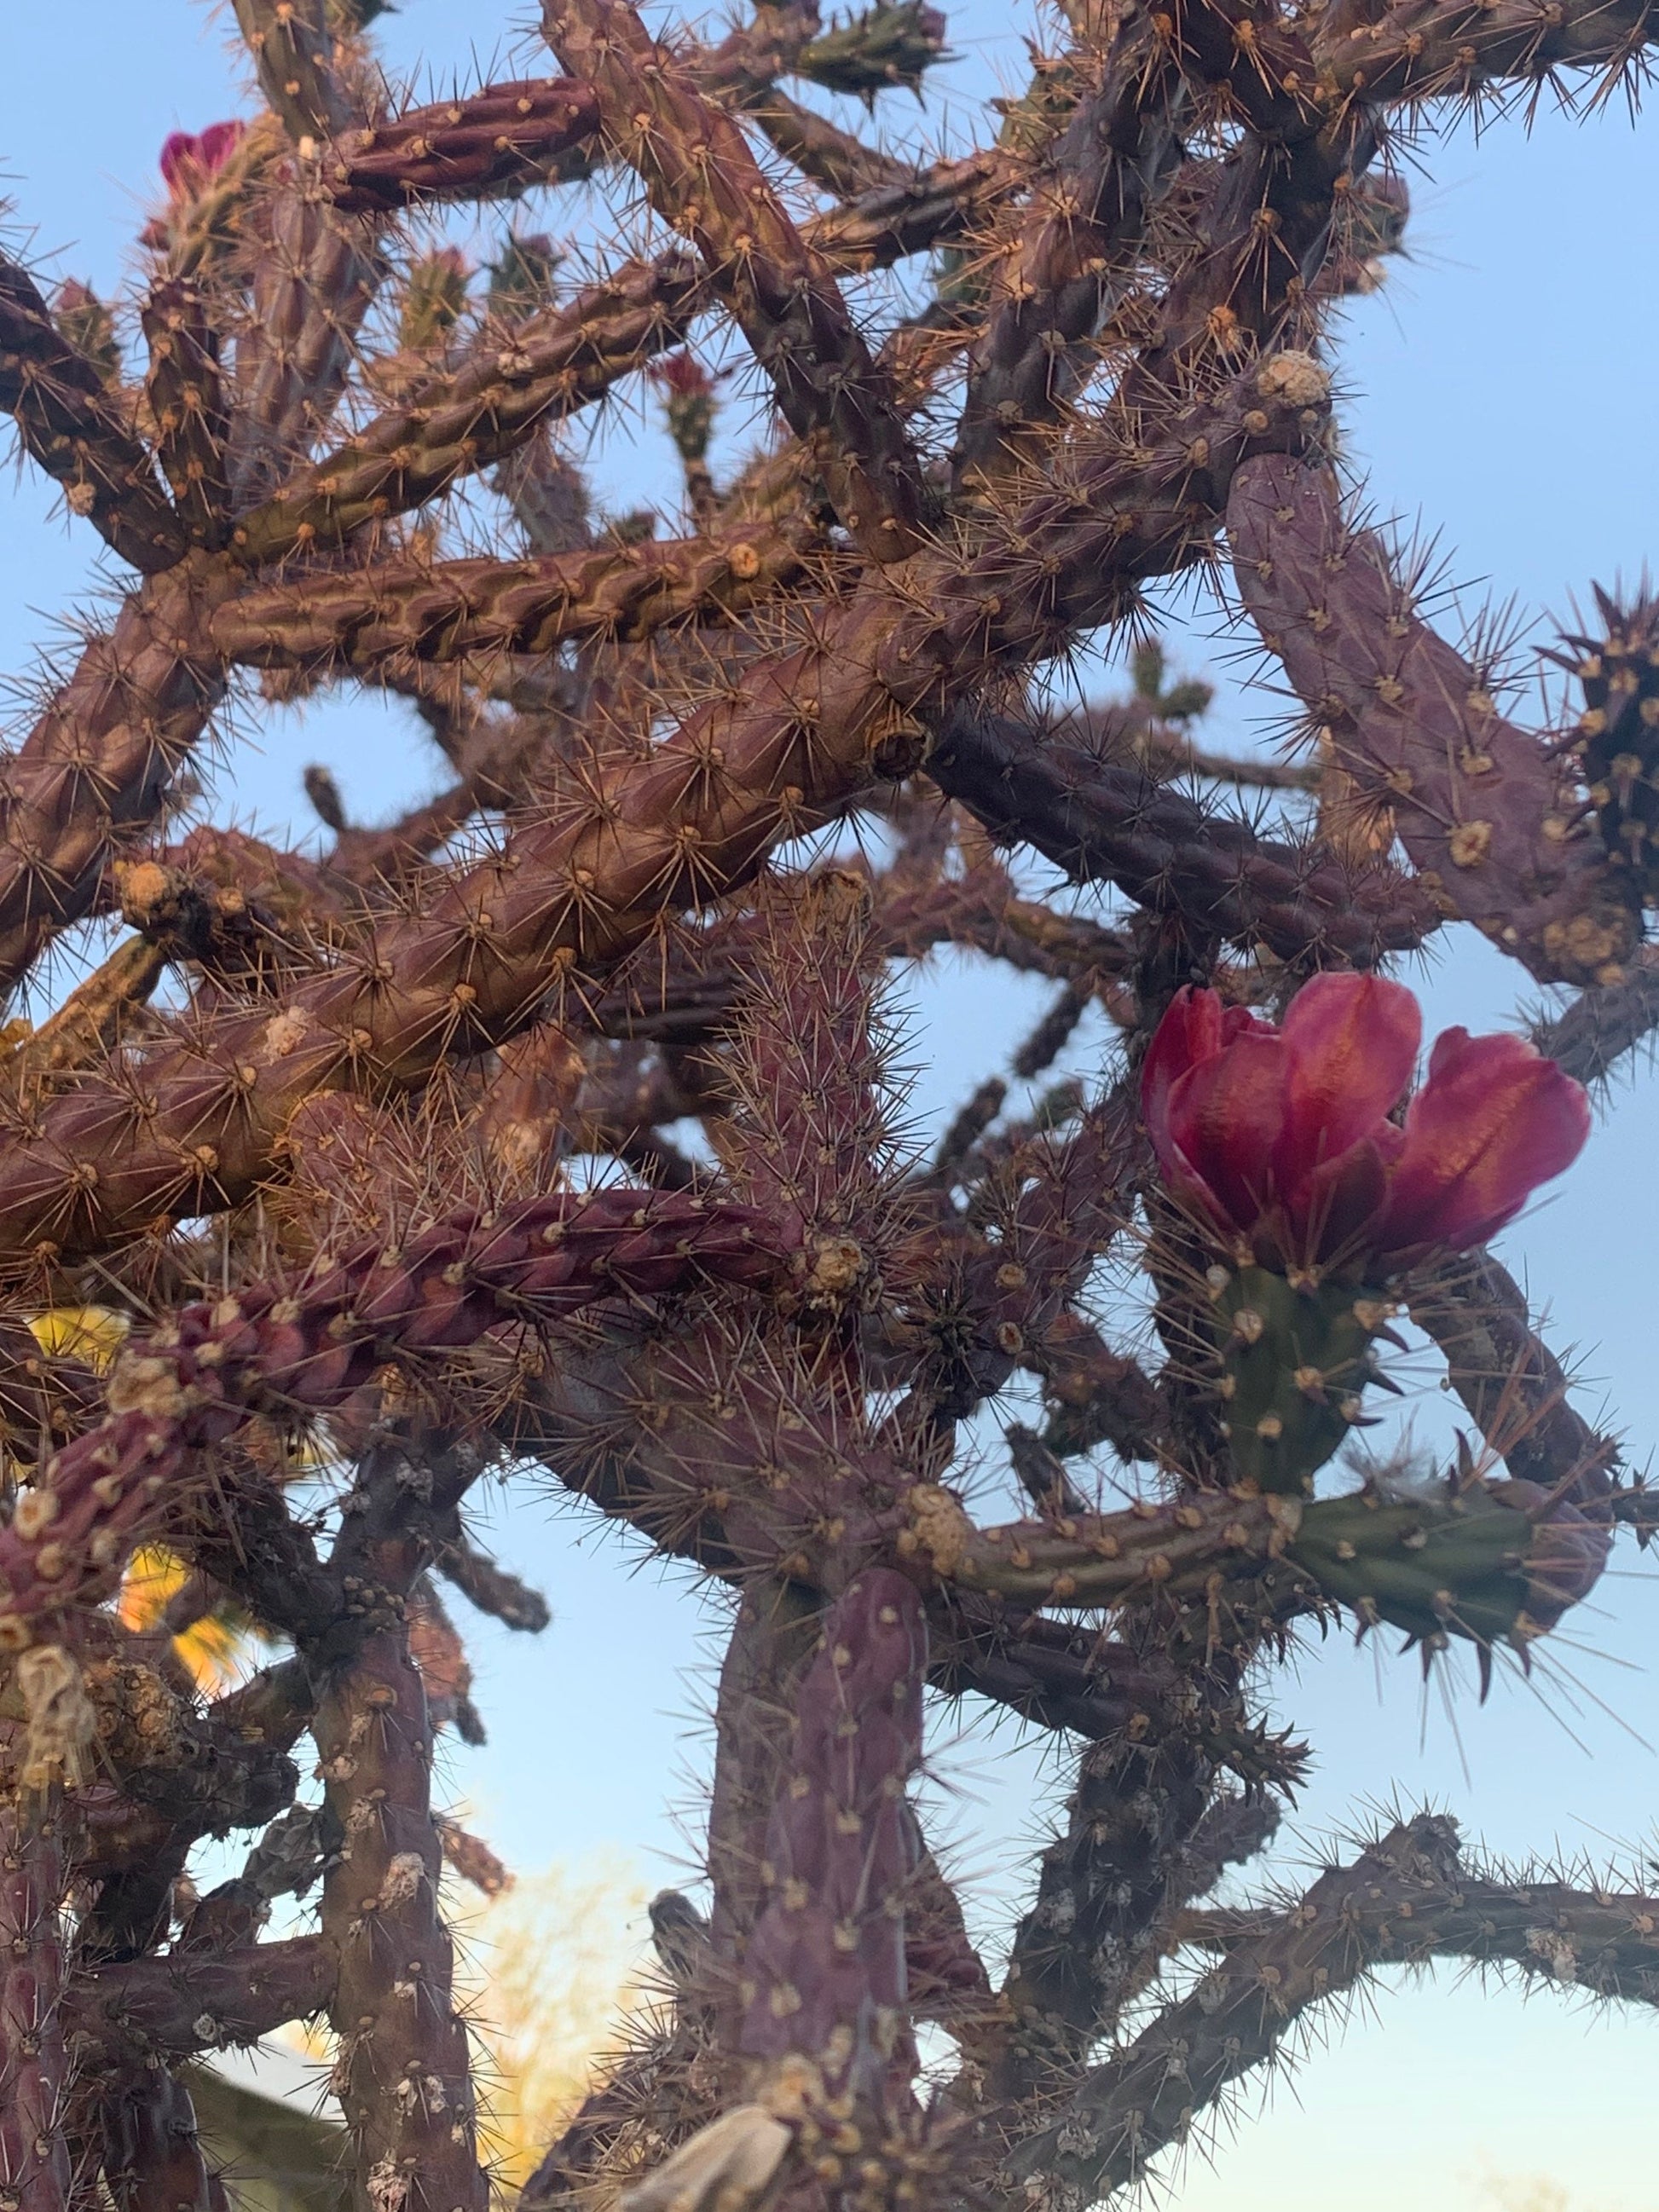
310, 1147
1278, 1141
1616, 739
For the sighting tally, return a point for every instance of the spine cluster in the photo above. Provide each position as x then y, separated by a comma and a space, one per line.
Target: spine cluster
558, 1123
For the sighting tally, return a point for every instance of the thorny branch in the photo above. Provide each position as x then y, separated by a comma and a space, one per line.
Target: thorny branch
297, 1227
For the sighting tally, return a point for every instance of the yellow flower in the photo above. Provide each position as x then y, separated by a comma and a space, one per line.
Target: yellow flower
92, 1333
209, 1647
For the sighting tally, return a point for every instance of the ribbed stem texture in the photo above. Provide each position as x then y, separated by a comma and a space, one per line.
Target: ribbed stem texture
34, 2162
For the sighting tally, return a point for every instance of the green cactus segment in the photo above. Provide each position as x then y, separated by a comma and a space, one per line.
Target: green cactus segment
886, 45
435, 300
1617, 738
521, 281
689, 408
90, 326
1442, 1562
1294, 1362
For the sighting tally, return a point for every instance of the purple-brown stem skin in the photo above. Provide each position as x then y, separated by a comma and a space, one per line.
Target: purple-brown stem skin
153, 2160
34, 2162
824, 1972
550, 1119
402, 2072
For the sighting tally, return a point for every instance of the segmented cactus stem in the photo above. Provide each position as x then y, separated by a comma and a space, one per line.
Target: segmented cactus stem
1479, 803
824, 1974
292, 43
1589, 1037
698, 167
1137, 2103
179, 2006
1095, 817
95, 770
152, 2157
402, 2071
186, 403
34, 2162
1085, 221
503, 139
70, 427
308, 1347
480, 610
1105, 1889
1603, 1941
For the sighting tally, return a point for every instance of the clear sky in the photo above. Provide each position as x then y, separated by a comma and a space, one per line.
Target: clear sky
1499, 389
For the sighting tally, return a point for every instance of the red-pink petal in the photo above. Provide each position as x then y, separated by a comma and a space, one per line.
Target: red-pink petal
1353, 1042
1334, 1217
1223, 1116
1190, 1031
188, 160
1244, 1021
178, 150
1494, 1121
218, 142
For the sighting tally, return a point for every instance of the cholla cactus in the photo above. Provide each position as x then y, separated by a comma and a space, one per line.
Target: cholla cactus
326, 1198
1277, 1139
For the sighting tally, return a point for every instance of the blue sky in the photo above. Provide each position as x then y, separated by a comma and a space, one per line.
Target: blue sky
1499, 394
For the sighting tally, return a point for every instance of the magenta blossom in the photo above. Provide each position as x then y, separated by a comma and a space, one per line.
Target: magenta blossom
191, 160
1280, 1138
682, 376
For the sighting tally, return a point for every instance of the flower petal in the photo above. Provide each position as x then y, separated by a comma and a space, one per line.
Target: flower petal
1353, 1042
1244, 1021
218, 142
1335, 1215
1189, 1032
1224, 1117
179, 148
1494, 1121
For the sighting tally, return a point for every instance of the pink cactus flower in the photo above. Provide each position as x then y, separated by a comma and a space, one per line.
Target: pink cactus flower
1280, 1138
191, 160
682, 376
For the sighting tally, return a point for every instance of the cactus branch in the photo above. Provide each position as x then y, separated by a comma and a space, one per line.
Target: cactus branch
182, 2004
1479, 803
404, 2071
90, 1021
1604, 1941
292, 43
697, 166
501, 139
152, 2158
476, 610
1512, 1382
187, 404
458, 424
1594, 1031
34, 2162
1423, 50
1097, 817
95, 770
1133, 1849
1149, 2096
308, 1347
822, 1975
70, 427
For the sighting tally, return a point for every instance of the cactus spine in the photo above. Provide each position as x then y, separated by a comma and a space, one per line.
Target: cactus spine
556, 1122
